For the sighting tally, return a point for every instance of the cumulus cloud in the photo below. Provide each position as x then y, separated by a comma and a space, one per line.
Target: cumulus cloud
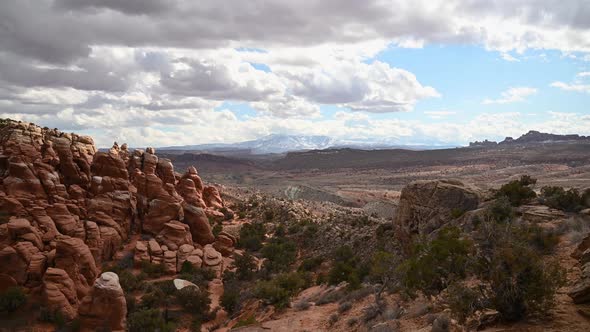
512, 95
133, 68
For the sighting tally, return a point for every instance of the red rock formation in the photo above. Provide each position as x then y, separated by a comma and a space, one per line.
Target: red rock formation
175, 234
73, 256
59, 293
196, 219
105, 307
69, 208
212, 197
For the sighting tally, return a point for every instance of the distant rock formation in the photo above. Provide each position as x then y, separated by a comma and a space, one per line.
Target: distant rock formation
66, 207
482, 144
532, 136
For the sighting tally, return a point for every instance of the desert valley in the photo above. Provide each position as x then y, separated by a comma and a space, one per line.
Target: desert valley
478, 238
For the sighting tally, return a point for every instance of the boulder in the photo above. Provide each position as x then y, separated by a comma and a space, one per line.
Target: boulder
224, 243
141, 253
22, 230
182, 254
199, 224
105, 307
21, 182
13, 265
195, 261
174, 234
109, 164
170, 261
36, 270
165, 171
73, 256
427, 205
159, 213
212, 259
181, 283
59, 293
156, 252
212, 197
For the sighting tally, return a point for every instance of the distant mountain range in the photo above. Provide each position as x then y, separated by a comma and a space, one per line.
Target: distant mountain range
287, 143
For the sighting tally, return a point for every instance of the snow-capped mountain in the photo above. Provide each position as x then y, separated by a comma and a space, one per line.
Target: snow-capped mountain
277, 143
268, 144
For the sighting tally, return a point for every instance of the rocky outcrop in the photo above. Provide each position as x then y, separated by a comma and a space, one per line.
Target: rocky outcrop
59, 293
212, 197
580, 292
105, 306
69, 208
73, 256
198, 222
225, 243
175, 234
141, 253
212, 259
427, 205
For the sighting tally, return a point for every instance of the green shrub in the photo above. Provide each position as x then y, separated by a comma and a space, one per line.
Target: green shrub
153, 299
153, 270
217, 228
11, 299
457, 213
230, 300
463, 301
310, 264
501, 210
130, 282
435, 264
558, 198
246, 321
148, 320
279, 290
245, 266
520, 282
543, 240
280, 254
347, 267
252, 236
518, 191
586, 198
194, 301
197, 275
227, 213
131, 303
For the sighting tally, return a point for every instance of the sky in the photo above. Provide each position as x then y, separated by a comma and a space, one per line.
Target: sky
176, 72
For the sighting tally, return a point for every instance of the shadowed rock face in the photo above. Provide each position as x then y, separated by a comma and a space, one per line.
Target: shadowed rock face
427, 205
68, 208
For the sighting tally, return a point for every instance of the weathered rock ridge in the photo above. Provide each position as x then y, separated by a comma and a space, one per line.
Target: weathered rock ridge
66, 207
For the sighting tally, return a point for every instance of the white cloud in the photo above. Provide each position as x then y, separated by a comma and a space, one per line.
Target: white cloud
572, 87
512, 95
85, 65
439, 114
583, 74
508, 57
